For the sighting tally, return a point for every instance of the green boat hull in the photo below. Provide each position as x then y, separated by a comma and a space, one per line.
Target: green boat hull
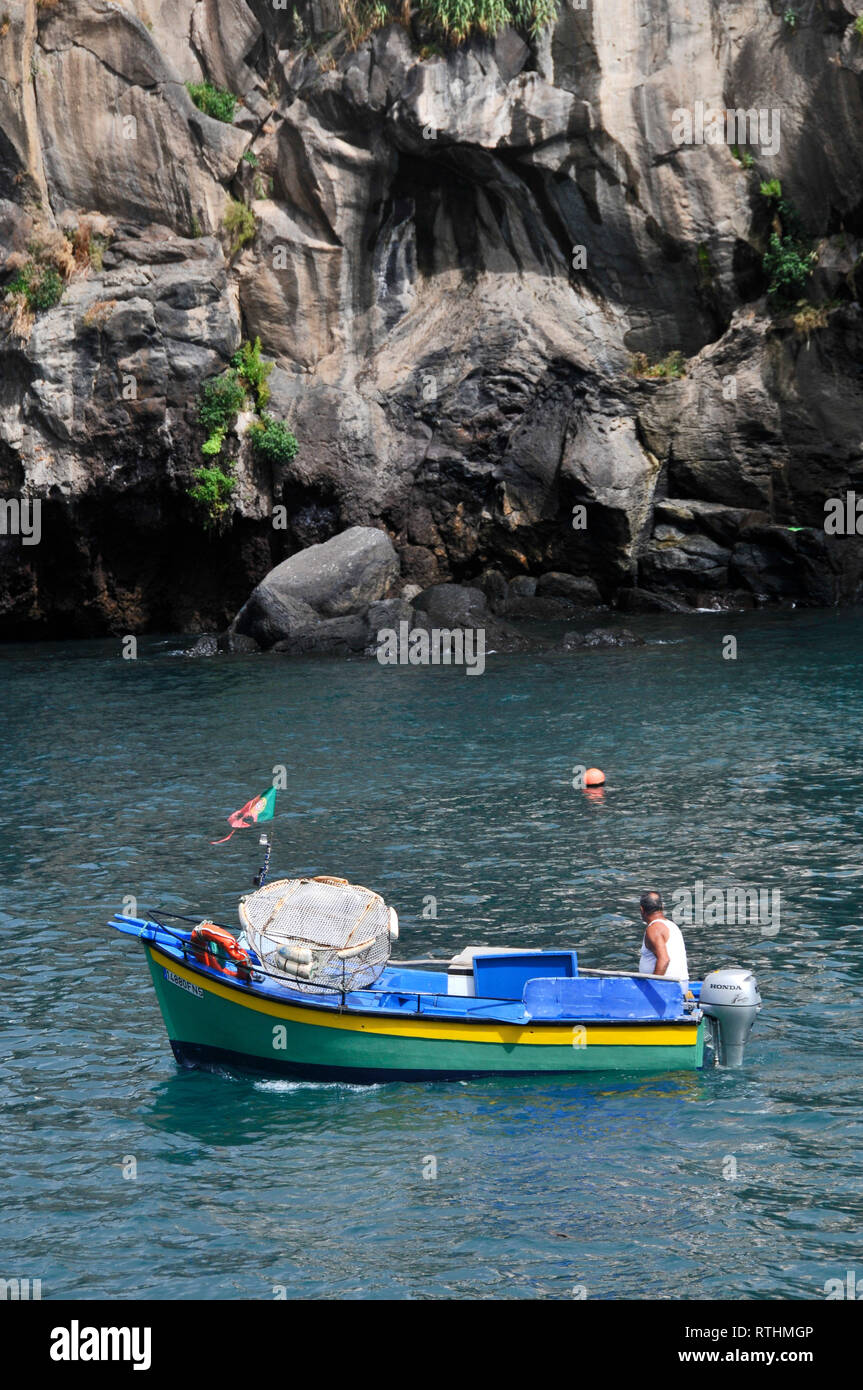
211, 1024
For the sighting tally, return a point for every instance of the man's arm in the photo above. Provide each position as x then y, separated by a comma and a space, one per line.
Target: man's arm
656, 936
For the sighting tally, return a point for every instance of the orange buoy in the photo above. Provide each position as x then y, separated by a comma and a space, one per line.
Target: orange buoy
594, 777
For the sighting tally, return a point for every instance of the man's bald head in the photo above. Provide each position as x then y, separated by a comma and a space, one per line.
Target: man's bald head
650, 902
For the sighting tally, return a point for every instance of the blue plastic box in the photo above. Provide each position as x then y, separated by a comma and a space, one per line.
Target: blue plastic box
505, 976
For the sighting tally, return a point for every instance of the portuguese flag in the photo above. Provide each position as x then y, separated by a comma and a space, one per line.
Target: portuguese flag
259, 808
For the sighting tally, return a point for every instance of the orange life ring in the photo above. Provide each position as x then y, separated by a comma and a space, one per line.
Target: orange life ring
208, 931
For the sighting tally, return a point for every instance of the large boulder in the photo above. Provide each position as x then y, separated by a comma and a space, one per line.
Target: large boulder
339, 578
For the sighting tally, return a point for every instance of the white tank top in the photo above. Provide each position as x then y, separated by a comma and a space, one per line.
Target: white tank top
678, 968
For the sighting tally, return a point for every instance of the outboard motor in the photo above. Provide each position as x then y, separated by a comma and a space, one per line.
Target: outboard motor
730, 999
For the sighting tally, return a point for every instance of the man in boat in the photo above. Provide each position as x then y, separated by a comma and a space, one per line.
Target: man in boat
663, 951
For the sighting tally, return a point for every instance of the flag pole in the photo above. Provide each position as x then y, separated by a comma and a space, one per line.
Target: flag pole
261, 876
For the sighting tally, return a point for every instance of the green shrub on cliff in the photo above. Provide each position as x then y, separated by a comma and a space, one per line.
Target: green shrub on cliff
669, 368
452, 19
219, 403
220, 400
789, 265
212, 492
253, 371
789, 258
212, 445
213, 101
40, 286
272, 441
458, 18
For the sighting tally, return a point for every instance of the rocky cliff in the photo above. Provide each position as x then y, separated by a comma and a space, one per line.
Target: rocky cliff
520, 322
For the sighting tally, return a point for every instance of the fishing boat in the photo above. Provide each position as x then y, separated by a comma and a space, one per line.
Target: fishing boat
308, 989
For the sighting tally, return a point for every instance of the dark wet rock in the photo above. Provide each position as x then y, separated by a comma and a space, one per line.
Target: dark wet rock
781, 564
504, 637
553, 597
722, 524
494, 585
270, 619
327, 636
419, 565
208, 645
636, 600
579, 589
453, 605
523, 586
389, 613
687, 560
731, 601
537, 609
448, 606
237, 643
602, 637
768, 564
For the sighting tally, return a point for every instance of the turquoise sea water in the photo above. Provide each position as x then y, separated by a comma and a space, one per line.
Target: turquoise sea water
428, 784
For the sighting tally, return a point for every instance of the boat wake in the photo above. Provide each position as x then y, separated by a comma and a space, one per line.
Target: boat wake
276, 1086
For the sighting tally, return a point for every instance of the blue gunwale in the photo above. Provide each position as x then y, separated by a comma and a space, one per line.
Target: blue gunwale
390, 998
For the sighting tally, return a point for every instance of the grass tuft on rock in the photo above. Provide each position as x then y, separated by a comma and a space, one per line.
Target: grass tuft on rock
808, 318
240, 226
668, 368
213, 101
454, 20
41, 286
87, 247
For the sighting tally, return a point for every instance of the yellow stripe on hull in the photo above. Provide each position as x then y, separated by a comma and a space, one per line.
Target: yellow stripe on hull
445, 1030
